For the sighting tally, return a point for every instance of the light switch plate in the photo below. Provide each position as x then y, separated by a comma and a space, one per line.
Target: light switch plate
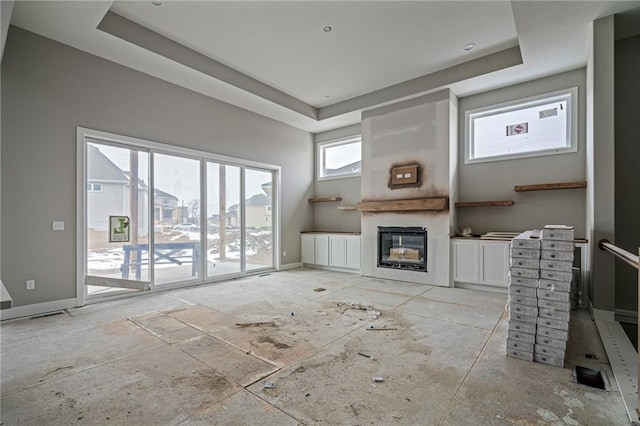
57, 225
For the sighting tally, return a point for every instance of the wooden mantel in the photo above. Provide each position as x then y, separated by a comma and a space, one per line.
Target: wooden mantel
416, 204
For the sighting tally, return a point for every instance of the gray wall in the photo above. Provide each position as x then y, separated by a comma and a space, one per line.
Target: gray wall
600, 164
627, 173
495, 180
48, 89
325, 215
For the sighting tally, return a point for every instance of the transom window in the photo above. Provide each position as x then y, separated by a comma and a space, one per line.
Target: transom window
541, 125
339, 159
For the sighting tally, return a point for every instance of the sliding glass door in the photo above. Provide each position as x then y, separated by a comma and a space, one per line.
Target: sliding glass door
176, 218
224, 213
156, 216
117, 222
258, 224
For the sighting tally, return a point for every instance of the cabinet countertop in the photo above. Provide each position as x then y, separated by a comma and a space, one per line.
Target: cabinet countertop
331, 232
456, 237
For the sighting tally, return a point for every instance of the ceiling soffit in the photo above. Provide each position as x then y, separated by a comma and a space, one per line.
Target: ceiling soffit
149, 40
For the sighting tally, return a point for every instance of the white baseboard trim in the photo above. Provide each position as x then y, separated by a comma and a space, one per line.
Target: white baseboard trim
601, 314
37, 309
624, 315
287, 266
332, 268
480, 287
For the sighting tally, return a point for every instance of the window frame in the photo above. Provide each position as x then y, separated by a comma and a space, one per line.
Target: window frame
569, 94
91, 187
84, 136
320, 157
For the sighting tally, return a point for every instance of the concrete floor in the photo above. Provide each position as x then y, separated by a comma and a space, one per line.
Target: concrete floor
178, 357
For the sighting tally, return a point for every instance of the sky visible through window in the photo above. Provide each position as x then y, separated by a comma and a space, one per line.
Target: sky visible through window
341, 155
183, 182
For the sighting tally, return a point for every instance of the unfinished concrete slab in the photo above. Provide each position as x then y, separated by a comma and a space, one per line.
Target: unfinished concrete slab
160, 386
236, 365
166, 328
243, 408
41, 351
505, 390
180, 357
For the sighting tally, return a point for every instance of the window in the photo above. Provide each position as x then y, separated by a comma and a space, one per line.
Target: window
541, 125
94, 187
339, 159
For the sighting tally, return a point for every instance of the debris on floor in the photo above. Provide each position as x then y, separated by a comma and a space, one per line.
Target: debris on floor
256, 324
270, 385
319, 289
364, 355
383, 328
378, 379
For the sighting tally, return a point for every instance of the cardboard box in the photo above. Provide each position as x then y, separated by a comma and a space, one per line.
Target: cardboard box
517, 290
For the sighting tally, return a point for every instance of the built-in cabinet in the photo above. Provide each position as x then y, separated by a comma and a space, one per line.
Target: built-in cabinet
481, 262
331, 250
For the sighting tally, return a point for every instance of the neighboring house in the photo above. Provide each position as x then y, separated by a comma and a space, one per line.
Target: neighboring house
355, 167
108, 194
258, 211
165, 208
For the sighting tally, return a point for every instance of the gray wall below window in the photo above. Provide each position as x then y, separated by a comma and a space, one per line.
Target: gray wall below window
495, 180
49, 89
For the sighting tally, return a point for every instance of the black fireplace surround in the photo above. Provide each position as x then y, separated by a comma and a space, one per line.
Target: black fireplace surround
402, 248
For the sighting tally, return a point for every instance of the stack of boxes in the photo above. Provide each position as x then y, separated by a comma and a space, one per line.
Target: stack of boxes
554, 303
523, 295
539, 294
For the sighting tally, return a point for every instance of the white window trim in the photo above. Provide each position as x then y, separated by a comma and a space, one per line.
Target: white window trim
572, 125
320, 158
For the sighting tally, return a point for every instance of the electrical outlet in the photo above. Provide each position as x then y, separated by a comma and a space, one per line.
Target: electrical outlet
31, 284
57, 225
284, 254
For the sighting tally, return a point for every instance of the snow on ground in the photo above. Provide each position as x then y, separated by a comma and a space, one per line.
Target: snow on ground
112, 259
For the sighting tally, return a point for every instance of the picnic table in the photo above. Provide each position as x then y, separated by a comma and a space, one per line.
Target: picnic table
164, 253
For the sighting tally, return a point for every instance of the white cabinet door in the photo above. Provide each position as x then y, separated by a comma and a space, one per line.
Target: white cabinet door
353, 252
494, 265
321, 250
336, 251
308, 243
466, 261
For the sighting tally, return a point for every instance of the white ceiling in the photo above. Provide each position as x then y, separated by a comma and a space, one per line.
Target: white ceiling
274, 57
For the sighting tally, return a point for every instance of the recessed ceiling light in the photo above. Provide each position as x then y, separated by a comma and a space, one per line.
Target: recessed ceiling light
327, 29
156, 2
469, 46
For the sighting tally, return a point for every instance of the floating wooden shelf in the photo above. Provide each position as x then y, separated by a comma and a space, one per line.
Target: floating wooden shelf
324, 200
347, 208
549, 186
485, 203
418, 204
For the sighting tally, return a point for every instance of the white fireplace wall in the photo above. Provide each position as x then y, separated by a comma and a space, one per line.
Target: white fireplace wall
417, 131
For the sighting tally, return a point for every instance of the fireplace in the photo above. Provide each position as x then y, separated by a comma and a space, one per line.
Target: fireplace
402, 248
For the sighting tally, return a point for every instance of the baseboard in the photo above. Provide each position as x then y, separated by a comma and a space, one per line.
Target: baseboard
601, 314
480, 287
287, 266
626, 316
332, 268
37, 309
